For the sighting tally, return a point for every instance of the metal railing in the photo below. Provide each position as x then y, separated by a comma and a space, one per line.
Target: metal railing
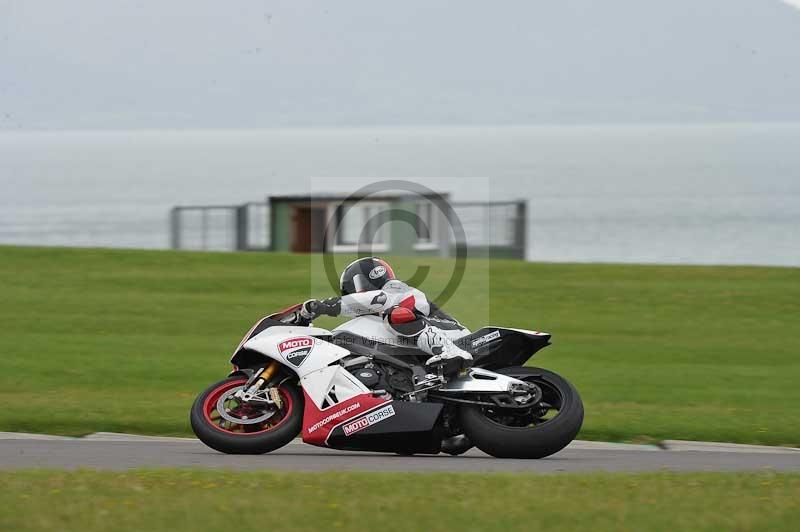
493, 227
220, 227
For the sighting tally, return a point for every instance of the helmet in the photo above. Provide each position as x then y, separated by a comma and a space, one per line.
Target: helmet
364, 275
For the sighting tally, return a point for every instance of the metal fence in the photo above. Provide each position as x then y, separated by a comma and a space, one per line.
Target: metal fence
220, 227
494, 227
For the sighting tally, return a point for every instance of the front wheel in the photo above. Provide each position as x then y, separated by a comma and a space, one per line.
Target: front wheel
536, 432
226, 424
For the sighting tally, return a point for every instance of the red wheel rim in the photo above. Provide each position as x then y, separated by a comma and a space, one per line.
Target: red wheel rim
210, 407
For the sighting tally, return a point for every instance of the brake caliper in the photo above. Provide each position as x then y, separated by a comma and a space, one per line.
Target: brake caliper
275, 397
525, 393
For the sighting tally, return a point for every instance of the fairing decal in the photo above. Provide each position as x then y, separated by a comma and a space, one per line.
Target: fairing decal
296, 350
318, 424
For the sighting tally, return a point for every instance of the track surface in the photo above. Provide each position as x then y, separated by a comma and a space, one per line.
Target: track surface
120, 454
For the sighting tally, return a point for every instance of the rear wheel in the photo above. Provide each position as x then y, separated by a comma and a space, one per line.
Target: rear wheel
228, 425
544, 429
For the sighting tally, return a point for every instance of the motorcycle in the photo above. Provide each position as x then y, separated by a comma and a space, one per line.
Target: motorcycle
354, 389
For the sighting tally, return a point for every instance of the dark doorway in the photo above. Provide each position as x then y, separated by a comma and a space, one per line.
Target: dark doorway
308, 230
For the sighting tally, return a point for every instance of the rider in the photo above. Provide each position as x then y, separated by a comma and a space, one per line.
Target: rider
369, 286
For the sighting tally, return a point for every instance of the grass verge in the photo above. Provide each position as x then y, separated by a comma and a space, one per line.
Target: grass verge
112, 340
172, 500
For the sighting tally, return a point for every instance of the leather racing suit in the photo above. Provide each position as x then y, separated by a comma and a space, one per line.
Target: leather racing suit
407, 315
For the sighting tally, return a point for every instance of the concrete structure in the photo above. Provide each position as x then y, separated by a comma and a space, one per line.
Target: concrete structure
395, 224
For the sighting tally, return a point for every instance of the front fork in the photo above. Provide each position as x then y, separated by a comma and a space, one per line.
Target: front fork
254, 392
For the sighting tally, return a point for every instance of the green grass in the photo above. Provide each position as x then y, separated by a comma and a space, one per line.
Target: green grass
111, 340
192, 500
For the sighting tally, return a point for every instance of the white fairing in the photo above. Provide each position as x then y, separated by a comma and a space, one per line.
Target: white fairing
334, 384
327, 383
374, 328
321, 354
370, 327
319, 378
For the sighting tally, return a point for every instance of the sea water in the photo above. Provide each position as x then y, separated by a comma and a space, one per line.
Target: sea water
699, 194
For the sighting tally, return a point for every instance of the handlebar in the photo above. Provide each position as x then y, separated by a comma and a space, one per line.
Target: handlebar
290, 312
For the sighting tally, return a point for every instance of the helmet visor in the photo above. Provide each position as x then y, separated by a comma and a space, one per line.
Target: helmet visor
362, 283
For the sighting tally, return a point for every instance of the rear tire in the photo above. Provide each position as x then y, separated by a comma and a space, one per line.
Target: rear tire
531, 442
264, 439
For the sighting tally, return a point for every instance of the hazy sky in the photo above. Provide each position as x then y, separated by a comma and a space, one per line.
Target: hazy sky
246, 63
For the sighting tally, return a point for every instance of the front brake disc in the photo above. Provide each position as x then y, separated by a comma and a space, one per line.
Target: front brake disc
225, 412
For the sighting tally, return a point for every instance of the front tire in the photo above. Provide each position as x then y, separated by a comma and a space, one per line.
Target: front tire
508, 434
250, 436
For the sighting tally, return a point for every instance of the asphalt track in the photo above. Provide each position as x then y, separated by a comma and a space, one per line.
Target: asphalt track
119, 452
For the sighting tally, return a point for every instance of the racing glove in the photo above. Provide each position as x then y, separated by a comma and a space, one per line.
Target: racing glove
314, 308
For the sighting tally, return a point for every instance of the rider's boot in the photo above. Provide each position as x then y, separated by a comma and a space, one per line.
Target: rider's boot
444, 353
